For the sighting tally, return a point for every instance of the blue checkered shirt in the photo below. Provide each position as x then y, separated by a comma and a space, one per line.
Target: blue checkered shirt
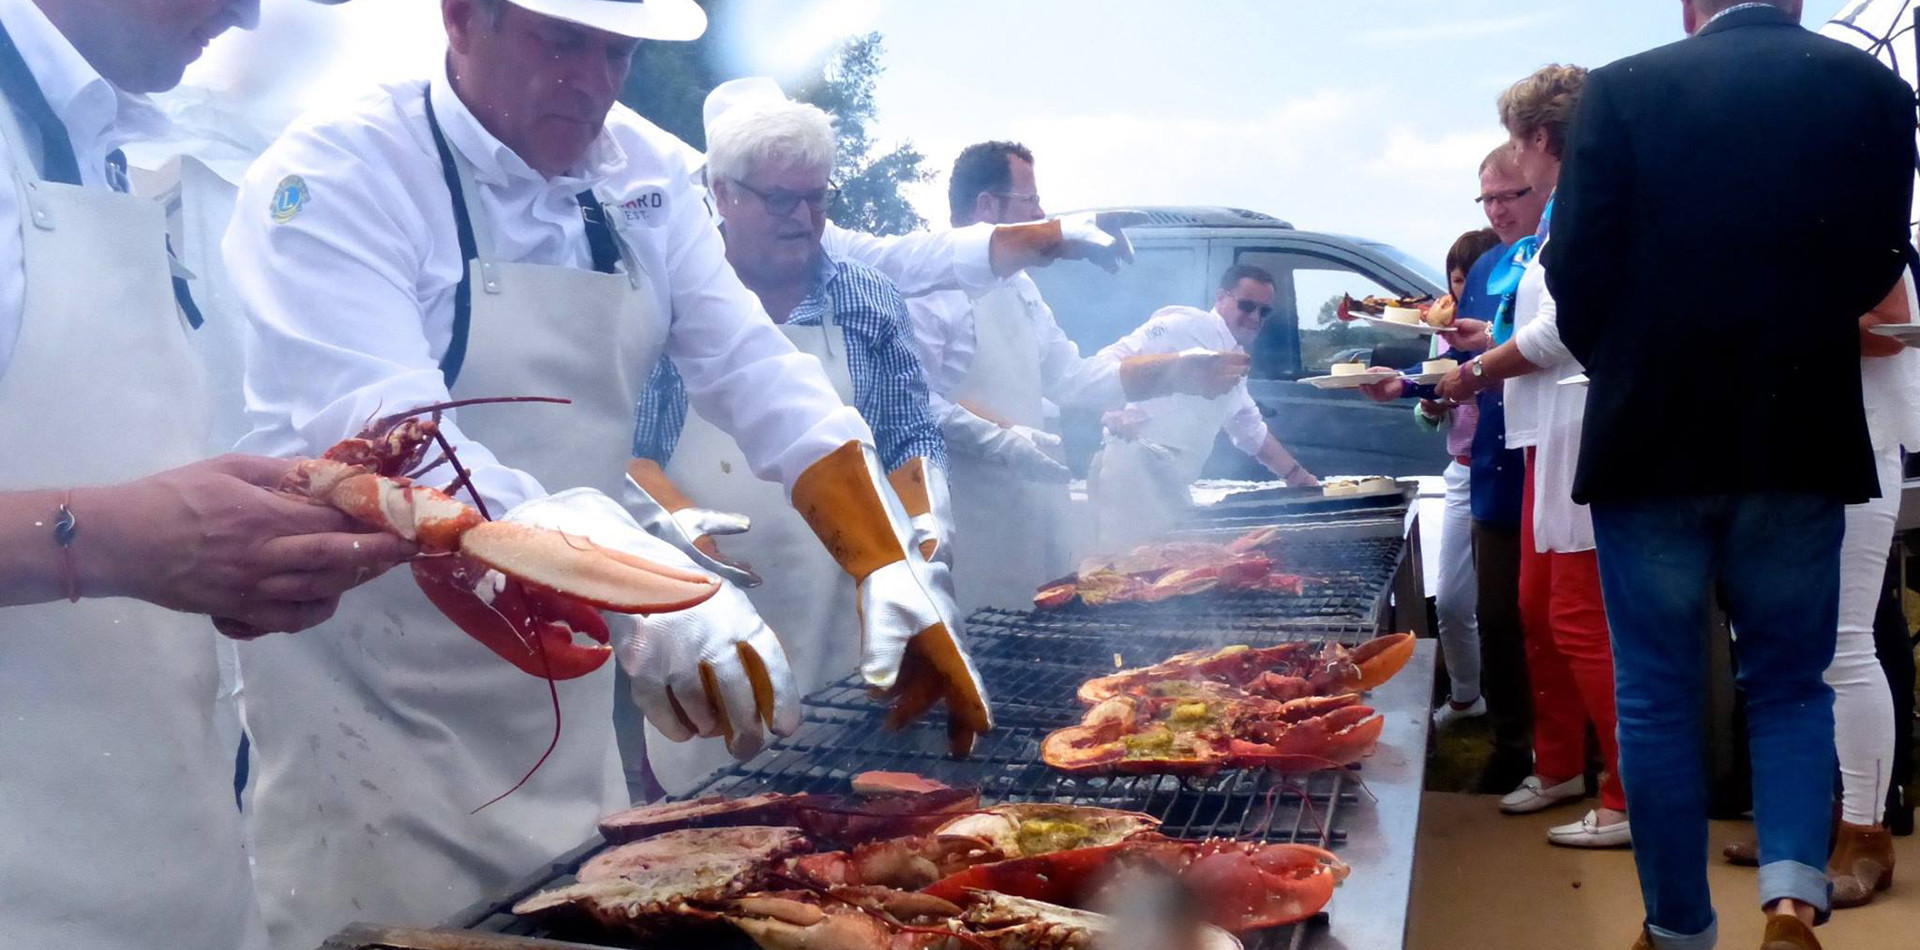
889, 389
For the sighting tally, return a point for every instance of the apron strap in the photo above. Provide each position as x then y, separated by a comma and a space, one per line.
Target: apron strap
182, 295
599, 233
56, 147
463, 225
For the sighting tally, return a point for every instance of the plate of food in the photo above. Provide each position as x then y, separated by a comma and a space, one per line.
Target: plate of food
1433, 371
1351, 376
1422, 314
1357, 486
1906, 333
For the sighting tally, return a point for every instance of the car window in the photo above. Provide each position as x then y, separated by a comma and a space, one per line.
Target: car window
1095, 308
1309, 288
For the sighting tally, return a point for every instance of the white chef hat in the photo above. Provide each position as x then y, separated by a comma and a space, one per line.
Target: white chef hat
737, 95
639, 19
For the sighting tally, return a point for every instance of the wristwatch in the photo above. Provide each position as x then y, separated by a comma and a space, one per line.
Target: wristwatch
1479, 372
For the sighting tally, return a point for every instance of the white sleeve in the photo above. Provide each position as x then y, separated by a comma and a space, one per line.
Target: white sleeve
1246, 428
740, 371
336, 333
1067, 378
923, 261
1539, 340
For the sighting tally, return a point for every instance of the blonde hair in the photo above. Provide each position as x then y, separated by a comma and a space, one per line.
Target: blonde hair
1544, 100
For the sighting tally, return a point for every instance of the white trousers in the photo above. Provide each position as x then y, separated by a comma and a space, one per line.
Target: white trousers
1456, 599
1862, 702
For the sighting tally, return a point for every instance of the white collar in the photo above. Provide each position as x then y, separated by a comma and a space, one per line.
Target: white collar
496, 164
92, 109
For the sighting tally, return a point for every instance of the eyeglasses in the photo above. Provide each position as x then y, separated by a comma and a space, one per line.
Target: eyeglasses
781, 202
1249, 306
1026, 197
1504, 197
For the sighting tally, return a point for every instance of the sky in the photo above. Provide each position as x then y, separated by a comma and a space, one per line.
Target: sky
1364, 117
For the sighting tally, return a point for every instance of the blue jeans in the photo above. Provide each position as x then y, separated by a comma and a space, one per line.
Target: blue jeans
1776, 559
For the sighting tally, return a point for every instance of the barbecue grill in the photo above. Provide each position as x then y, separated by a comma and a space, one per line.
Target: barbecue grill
1032, 664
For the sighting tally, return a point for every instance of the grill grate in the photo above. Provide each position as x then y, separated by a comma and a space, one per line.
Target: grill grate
1347, 581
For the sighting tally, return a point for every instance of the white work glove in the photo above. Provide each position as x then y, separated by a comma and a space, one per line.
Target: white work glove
715, 669
684, 528
1098, 237
1031, 452
911, 648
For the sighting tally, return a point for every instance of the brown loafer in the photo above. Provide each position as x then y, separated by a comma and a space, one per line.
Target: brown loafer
1862, 864
1786, 932
1744, 852
1645, 940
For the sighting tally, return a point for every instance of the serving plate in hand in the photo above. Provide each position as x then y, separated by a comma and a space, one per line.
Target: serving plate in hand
1376, 374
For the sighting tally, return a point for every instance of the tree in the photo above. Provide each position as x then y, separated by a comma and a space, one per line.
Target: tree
670, 81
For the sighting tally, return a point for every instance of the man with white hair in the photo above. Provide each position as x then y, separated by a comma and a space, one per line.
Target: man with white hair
503, 228
768, 166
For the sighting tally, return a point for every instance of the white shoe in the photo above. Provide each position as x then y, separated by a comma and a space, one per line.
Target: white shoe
1588, 832
1448, 712
1535, 795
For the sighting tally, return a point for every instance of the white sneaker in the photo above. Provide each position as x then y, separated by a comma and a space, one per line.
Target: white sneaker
1535, 795
1588, 832
1448, 712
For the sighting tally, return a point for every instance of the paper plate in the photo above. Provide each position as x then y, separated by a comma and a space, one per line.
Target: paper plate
1374, 375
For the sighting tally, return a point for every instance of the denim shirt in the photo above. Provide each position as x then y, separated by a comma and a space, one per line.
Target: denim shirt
1499, 473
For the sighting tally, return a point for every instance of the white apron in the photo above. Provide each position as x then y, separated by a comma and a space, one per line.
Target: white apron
379, 731
117, 821
1017, 525
804, 595
1137, 494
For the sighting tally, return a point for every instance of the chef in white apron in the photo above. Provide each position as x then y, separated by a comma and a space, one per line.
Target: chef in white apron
992, 353
116, 798
1156, 448
504, 229
767, 166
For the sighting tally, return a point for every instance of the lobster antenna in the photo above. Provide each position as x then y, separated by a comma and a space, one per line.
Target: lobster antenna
460, 473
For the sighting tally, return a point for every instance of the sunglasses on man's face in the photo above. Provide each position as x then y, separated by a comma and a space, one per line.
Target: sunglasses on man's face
1249, 306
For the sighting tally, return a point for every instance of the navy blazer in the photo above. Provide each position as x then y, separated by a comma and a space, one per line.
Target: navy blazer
1729, 207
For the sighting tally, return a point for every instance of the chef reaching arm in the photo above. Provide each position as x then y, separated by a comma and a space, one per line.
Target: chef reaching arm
504, 229
993, 352
112, 536
1155, 448
767, 166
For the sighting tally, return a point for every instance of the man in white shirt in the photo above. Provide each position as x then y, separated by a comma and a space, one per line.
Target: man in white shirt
506, 229
992, 354
116, 799
1155, 448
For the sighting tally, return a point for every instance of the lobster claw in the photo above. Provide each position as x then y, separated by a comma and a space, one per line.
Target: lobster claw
529, 626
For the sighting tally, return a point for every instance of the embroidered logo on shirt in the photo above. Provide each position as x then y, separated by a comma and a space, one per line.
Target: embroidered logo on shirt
289, 198
648, 208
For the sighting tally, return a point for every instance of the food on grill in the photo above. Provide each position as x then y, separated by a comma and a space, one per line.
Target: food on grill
710, 811
1242, 885
1155, 572
894, 783
1201, 727
1000, 833
1283, 672
1349, 308
836, 821
874, 918
1346, 486
657, 885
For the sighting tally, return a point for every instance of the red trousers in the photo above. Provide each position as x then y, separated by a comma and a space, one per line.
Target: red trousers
1569, 660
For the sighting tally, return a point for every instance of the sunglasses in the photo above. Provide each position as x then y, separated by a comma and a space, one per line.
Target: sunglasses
1250, 306
1504, 197
781, 203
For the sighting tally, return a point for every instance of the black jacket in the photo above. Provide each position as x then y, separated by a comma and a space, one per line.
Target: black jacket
1729, 206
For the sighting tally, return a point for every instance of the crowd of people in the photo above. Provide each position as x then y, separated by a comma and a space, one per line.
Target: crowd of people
849, 433
1619, 465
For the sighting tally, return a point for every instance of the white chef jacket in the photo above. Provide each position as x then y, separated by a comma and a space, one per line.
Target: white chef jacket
1548, 417
99, 118
923, 261
351, 296
1177, 328
943, 333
